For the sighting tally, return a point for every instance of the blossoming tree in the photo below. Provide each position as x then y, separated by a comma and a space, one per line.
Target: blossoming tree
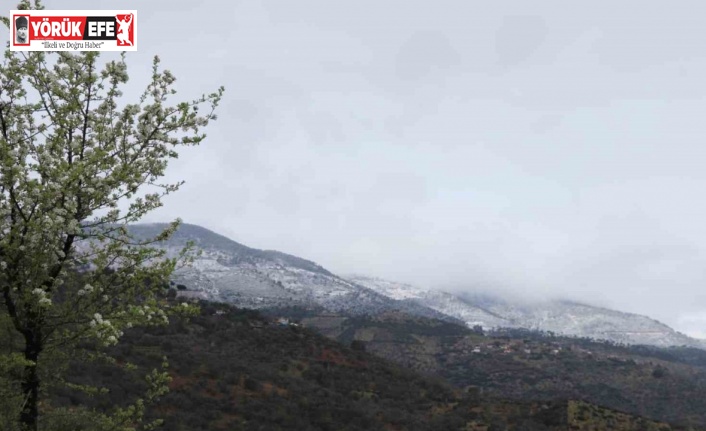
76, 167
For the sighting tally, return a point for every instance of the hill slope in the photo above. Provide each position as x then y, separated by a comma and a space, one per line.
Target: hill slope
561, 317
235, 370
662, 384
231, 272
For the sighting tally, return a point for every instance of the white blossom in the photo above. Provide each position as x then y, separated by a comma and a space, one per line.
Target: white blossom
45, 301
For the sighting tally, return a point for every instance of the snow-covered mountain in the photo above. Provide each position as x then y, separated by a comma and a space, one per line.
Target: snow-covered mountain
466, 311
561, 317
231, 272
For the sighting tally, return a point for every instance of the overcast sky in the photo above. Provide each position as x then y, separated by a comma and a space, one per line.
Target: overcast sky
551, 148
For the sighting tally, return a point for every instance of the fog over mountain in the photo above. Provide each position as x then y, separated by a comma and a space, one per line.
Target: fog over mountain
224, 270
543, 150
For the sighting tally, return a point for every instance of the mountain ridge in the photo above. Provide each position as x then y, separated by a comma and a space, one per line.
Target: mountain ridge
231, 272
562, 316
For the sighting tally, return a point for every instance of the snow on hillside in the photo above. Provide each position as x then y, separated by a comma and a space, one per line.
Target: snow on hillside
231, 272
561, 317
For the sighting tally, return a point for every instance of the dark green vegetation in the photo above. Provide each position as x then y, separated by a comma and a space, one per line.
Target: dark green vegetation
237, 370
661, 384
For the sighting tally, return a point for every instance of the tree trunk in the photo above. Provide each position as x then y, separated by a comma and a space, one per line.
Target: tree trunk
30, 382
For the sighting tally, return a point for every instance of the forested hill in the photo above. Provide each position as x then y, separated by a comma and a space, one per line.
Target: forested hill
234, 369
665, 384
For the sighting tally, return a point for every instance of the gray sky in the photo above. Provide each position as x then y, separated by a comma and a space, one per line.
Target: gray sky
549, 148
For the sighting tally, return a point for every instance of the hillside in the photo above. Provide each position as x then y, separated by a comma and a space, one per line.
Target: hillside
234, 369
231, 272
662, 384
227, 271
559, 316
